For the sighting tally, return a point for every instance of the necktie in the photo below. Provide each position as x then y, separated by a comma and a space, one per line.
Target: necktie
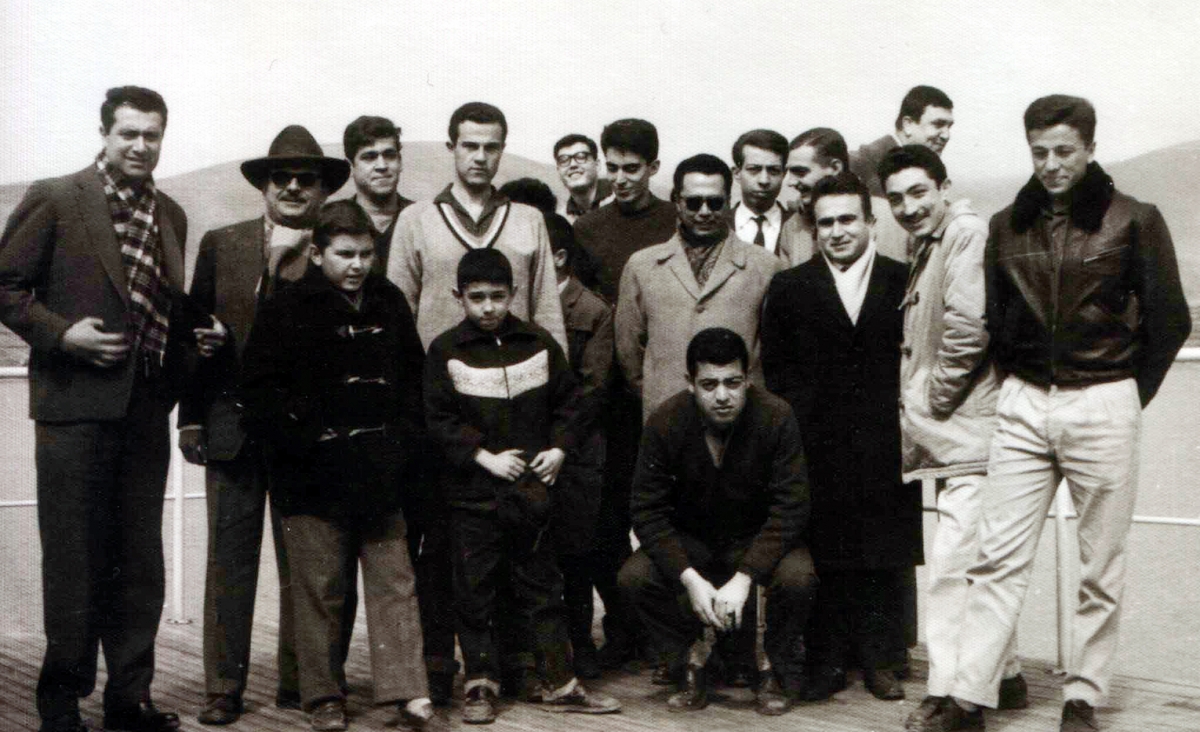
760, 239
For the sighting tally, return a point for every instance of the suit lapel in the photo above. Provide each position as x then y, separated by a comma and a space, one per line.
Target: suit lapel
172, 250
677, 263
876, 295
93, 206
730, 259
828, 297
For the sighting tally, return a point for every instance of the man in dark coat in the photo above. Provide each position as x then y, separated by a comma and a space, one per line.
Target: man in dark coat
832, 329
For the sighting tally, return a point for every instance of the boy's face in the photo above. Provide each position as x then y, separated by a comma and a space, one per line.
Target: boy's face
347, 260
486, 303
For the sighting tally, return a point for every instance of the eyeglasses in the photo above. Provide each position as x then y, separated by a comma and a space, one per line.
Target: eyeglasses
283, 178
693, 203
579, 157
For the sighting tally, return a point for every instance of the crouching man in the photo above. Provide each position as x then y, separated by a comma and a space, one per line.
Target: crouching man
720, 498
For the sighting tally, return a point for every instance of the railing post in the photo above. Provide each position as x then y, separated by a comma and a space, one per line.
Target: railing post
1063, 555
177, 615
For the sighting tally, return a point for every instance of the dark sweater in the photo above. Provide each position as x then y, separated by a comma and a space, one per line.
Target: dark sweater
610, 237
510, 388
760, 492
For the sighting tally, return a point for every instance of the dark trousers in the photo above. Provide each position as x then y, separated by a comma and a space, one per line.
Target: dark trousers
100, 505
490, 561
858, 619
428, 520
666, 612
623, 433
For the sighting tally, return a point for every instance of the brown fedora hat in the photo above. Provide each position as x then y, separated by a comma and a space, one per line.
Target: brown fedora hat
295, 145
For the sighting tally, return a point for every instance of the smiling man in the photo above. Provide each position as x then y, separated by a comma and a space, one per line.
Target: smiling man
90, 266
575, 158
926, 117
372, 145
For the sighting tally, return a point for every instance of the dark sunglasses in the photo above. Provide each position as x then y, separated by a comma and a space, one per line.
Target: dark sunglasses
283, 178
693, 203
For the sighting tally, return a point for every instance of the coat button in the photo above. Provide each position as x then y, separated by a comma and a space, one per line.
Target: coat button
699, 308
906, 350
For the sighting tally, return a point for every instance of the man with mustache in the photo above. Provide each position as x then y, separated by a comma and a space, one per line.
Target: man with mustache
925, 118
372, 145
575, 157
237, 268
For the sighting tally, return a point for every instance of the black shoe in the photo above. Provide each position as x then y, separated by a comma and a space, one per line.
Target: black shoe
739, 676
70, 722
329, 716
1078, 716
1014, 693
587, 666
947, 716
479, 706
662, 675
221, 709
770, 699
581, 701
441, 687
287, 699
883, 684
823, 684
144, 717
693, 691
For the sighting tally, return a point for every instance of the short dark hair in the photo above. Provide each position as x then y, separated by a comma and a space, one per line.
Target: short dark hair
917, 99
340, 217
573, 139
1062, 109
138, 97
481, 113
702, 163
769, 140
631, 135
827, 143
718, 346
484, 265
844, 183
365, 130
531, 191
911, 156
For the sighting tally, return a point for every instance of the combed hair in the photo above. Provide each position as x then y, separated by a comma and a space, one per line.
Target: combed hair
631, 135
769, 140
718, 346
365, 130
481, 113
702, 163
827, 143
484, 265
138, 97
532, 192
575, 138
844, 183
340, 217
917, 99
911, 156
1061, 109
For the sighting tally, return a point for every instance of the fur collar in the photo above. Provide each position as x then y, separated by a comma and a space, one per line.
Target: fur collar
1089, 201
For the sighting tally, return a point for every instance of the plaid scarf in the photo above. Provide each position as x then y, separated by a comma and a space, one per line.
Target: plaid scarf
702, 254
133, 217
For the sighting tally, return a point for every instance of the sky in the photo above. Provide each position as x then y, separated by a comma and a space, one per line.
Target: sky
235, 72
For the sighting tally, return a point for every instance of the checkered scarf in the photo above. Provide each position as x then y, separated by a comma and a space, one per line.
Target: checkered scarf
141, 251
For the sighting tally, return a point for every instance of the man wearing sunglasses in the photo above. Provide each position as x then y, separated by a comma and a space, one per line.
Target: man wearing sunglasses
702, 277
237, 268
578, 166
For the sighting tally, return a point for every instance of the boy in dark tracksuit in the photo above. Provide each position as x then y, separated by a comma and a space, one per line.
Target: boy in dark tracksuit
501, 401
330, 384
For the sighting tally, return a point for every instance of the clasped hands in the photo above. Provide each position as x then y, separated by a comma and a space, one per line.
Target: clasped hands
719, 608
509, 465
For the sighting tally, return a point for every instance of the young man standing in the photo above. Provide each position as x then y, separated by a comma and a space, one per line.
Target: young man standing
576, 158
925, 118
372, 145
1086, 313
758, 167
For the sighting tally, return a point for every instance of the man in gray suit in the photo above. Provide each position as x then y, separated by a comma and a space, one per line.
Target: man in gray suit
237, 268
91, 265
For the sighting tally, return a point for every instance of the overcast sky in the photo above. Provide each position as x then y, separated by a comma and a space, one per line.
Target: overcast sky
235, 72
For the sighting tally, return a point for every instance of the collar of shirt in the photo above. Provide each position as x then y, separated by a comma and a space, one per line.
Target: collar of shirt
480, 227
743, 224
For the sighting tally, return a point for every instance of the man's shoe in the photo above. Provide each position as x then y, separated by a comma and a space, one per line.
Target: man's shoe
823, 684
1078, 716
287, 699
926, 709
693, 691
1014, 693
70, 722
221, 709
441, 687
948, 716
329, 716
581, 701
739, 676
883, 684
662, 676
770, 699
480, 705
413, 715
144, 717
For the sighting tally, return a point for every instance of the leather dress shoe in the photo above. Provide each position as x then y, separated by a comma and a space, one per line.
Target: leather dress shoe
144, 717
693, 691
221, 709
329, 716
662, 675
943, 714
823, 684
479, 706
883, 684
1014, 693
770, 699
1078, 716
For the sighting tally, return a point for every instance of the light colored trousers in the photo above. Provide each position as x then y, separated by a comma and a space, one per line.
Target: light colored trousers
1089, 436
955, 549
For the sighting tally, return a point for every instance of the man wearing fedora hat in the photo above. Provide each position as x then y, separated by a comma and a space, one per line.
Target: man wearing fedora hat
237, 268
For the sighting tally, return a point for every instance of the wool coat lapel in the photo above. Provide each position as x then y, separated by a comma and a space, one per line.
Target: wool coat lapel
93, 209
677, 261
729, 260
827, 295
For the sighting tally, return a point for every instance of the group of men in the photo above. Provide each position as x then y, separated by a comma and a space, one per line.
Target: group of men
782, 378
